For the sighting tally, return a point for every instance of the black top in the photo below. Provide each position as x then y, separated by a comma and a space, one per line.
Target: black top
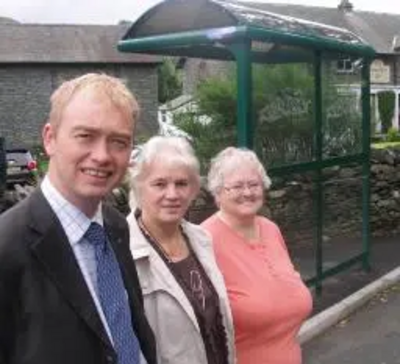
203, 297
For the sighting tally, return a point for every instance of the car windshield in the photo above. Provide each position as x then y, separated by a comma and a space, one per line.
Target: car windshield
18, 157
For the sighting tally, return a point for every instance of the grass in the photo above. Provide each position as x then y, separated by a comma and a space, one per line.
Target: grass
384, 145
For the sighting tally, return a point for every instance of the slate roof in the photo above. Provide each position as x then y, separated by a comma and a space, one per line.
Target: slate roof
49, 43
378, 29
4, 20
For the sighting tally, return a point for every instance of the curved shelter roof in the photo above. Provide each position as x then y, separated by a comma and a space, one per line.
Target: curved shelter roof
378, 29
206, 28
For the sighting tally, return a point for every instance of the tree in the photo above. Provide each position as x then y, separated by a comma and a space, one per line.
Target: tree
386, 100
284, 114
169, 81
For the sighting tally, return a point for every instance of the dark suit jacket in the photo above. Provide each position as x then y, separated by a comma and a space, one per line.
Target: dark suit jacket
47, 315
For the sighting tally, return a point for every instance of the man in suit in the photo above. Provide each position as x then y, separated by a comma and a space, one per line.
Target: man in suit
68, 295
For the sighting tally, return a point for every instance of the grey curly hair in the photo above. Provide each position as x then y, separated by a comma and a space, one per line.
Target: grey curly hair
227, 161
173, 151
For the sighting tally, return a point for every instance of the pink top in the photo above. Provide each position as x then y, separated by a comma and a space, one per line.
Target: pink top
268, 299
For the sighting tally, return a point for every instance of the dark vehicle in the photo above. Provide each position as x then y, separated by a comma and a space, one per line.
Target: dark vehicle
21, 167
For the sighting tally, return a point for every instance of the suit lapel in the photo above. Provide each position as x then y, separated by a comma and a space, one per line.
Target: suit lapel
55, 255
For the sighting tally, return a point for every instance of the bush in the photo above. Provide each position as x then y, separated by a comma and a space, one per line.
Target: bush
283, 112
392, 135
386, 101
41, 158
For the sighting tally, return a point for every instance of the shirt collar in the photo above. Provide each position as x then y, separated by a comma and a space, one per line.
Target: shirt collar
73, 220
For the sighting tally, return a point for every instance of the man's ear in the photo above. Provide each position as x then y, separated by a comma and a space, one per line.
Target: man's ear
48, 136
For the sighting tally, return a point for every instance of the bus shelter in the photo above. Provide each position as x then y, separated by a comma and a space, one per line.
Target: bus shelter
320, 163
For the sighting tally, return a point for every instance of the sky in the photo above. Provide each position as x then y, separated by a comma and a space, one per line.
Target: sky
113, 11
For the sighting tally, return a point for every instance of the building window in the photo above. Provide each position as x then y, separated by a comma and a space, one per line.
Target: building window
344, 65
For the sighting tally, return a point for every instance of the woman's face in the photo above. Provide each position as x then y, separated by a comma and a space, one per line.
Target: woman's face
242, 193
165, 192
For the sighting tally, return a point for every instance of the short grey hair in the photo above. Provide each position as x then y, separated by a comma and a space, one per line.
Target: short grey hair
229, 160
173, 151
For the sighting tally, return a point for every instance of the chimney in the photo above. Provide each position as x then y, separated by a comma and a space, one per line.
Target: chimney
346, 6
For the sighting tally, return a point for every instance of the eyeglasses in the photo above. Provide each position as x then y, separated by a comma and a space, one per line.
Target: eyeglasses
241, 187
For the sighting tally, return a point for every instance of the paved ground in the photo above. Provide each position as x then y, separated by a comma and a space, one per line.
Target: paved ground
385, 256
370, 336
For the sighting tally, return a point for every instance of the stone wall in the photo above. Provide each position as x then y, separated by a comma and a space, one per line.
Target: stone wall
292, 201
25, 91
385, 192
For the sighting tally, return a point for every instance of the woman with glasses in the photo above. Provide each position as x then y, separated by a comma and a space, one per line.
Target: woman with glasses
268, 299
184, 294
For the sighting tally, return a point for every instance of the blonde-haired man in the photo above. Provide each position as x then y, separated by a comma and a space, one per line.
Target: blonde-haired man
69, 291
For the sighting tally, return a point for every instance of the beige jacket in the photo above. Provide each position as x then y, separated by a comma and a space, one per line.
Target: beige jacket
168, 310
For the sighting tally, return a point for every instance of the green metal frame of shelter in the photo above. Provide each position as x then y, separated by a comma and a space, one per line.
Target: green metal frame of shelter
221, 30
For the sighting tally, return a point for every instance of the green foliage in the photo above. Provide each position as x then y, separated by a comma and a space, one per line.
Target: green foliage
392, 135
217, 98
374, 119
286, 123
386, 145
41, 158
283, 102
386, 105
343, 126
284, 113
208, 139
169, 81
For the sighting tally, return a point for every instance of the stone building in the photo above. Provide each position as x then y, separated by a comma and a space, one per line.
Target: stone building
35, 58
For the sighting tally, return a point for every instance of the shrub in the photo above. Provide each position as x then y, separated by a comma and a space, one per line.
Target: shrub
386, 101
392, 135
283, 112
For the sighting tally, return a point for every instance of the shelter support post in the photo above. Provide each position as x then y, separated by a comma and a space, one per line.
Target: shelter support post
366, 150
318, 192
245, 127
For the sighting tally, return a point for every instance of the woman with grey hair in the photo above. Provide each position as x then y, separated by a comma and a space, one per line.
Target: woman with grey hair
185, 297
268, 299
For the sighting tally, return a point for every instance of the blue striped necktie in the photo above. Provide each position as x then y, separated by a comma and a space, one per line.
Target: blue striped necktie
113, 297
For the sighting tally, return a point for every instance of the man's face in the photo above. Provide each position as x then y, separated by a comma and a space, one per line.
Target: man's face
89, 149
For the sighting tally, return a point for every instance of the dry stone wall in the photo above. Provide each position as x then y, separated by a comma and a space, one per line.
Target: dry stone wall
293, 199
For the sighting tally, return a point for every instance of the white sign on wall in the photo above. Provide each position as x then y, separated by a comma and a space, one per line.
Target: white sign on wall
380, 73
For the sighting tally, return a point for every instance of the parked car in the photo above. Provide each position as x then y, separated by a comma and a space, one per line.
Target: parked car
21, 167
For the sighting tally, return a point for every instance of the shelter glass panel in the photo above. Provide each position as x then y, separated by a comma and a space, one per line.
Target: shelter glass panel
291, 204
283, 112
341, 110
342, 214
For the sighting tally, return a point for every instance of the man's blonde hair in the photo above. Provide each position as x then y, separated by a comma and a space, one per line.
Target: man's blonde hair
101, 84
